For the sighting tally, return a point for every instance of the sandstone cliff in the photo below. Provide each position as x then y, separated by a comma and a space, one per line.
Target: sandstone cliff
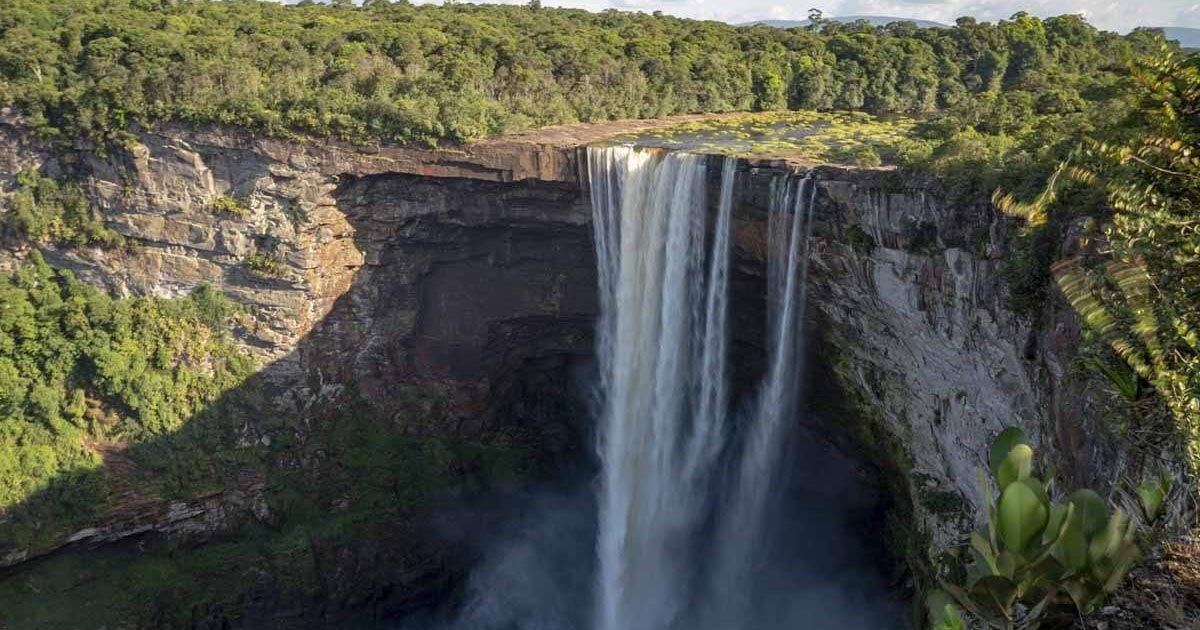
443, 287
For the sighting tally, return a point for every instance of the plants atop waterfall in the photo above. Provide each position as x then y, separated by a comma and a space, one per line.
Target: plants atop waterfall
842, 137
1040, 561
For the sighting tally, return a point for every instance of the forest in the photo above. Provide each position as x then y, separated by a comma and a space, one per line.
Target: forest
429, 74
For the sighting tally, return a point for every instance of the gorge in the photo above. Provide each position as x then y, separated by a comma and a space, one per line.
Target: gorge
391, 315
453, 293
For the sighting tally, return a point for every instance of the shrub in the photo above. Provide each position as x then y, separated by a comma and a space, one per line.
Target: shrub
867, 157
45, 210
1038, 560
263, 263
229, 205
862, 242
77, 365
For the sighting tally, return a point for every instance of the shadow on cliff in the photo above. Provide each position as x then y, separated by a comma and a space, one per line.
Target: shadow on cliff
332, 521
435, 421
346, 481
826, 558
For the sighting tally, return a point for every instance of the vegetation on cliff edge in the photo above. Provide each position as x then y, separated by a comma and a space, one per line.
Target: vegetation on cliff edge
1135, 274
83, 376
986, 104
46, 210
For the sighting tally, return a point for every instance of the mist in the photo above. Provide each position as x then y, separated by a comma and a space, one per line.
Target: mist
823, 564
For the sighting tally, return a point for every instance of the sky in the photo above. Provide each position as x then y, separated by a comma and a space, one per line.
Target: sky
1115, 15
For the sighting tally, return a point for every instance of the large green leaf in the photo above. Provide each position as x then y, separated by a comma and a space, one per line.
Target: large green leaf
1003, 445
1091, 510
1071, 549
1125, 558
1059, 517
1105, 544
1023, 514
983, 550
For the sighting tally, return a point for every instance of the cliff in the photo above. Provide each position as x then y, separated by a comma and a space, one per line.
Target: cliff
453, 292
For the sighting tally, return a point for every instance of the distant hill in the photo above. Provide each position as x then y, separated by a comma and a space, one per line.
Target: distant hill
877, 20
1187, 37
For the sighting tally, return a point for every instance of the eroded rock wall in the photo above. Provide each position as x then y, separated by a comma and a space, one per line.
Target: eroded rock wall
428, 282
918, 314
436, 299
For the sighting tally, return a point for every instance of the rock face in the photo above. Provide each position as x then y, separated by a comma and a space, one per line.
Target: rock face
432, 283
915, 341
917, 315
464, 281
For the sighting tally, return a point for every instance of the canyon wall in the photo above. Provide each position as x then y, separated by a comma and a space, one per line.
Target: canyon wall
451, 289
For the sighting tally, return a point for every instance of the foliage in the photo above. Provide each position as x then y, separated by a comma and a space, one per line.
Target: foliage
1152, 495
848, 137
950, 620
44, 210
428, 74
1137, 282
82, 372
229, 205
1039, 561
264, 263
858, 238
865, 156
362, 459
1025, 268
367, 483
1125, 382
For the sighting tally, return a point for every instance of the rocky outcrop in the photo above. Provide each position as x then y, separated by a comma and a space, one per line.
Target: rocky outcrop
301, 200
441, 301
912, 301
915, 347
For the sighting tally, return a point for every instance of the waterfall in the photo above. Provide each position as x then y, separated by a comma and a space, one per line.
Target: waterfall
744, 519
650, 232
665, 430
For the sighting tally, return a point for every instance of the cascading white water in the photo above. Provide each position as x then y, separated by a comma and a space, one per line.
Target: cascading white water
662, 343
743, 520
650, 247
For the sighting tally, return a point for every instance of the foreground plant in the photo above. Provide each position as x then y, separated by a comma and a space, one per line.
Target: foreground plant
950, 619
1038, 562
